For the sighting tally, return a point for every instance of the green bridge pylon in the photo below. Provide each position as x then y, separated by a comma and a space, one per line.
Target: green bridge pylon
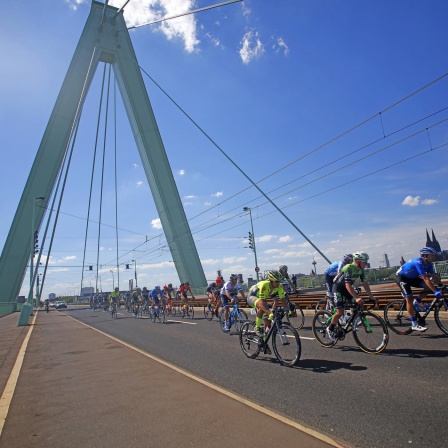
105, 38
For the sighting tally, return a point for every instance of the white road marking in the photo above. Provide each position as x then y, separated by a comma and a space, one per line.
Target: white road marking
181, 322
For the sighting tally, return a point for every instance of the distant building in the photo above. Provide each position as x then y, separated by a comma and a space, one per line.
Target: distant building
51, 296
88, 290
385, 262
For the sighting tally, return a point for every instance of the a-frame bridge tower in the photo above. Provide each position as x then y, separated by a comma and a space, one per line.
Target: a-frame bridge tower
105, 38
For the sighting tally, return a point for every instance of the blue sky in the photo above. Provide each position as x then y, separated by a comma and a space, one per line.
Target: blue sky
271, 82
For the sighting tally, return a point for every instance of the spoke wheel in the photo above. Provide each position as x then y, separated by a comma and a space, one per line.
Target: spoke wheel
240, 319
153, 314
397, 318
320, 323
321, 305
222, 322
286, 344
249, 340
190, 311
297, 318
441, 316
370, 333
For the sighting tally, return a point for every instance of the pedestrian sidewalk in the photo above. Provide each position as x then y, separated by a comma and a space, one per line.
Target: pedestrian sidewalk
79, 388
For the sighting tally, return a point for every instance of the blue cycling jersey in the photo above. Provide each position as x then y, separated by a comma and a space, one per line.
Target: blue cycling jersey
335, 267
415, 268
155, 293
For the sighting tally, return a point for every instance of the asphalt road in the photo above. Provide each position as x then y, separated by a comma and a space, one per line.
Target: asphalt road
398, 398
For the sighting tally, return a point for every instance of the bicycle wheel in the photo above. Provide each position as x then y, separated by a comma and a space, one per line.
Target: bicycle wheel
319, 326
296, 319
441, 316
321, 305
190, 311
249, 341
153, 314
370, 332
161, 315
397, 318
240, 318
286, 344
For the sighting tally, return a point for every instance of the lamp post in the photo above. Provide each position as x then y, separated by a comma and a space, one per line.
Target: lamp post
135, 272
113, 280
252, 240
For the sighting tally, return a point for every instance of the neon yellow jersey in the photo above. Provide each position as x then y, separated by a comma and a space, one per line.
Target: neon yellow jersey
263, 290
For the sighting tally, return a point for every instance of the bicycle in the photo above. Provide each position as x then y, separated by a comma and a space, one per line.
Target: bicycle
297, 317
186, 309
157, 313
285, 340
137, 310
214, 307
325, 304
399, 322
236, 317
369, 330
113, 310
169, 308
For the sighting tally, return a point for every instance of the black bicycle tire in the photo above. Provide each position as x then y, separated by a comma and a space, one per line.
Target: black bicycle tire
247, 336
319, 327
300, 318
286, 327
240, 319
395, 322
319, 307
443, 328
357, 331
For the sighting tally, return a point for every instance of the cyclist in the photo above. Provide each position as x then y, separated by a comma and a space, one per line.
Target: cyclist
229, 292
145, 295
47, 305
343, 289
155, 295
114, 298
333, 270
183, 290
418, 273
271, 288
128, 300
210, 291
136, 300
283, 270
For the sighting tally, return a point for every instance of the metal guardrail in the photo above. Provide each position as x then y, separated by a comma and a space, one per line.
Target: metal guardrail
441, 268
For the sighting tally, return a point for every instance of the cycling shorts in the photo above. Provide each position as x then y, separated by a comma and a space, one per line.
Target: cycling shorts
225, 300
405, 284
252, 301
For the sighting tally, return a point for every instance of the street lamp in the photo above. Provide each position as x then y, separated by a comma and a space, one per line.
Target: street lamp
113, 280
135, 272
252, 240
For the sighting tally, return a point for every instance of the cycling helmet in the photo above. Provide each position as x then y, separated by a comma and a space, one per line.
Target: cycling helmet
117, 288
427, 251
170, 285
157, 287
187, 283
233, 277
274, 276
144, 288
348, 257
218, 280
283, 268
361, 256
138, 289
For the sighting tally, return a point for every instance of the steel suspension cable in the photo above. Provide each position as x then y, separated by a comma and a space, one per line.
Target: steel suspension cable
116, 184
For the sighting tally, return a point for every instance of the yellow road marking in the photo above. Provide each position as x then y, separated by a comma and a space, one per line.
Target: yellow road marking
5, 400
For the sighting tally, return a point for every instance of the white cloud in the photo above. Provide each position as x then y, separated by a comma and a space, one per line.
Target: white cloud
207, 203
214, 40
265, 238
271, 251
231, 260
429, 201
181, 172
414, 201
73, 4
251, 46
139, 183
135, 165
411, 201
156, 224
280, 45
139, 12
209, 261
284, 239
191, 196
70, 257
186, 204
218, 194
